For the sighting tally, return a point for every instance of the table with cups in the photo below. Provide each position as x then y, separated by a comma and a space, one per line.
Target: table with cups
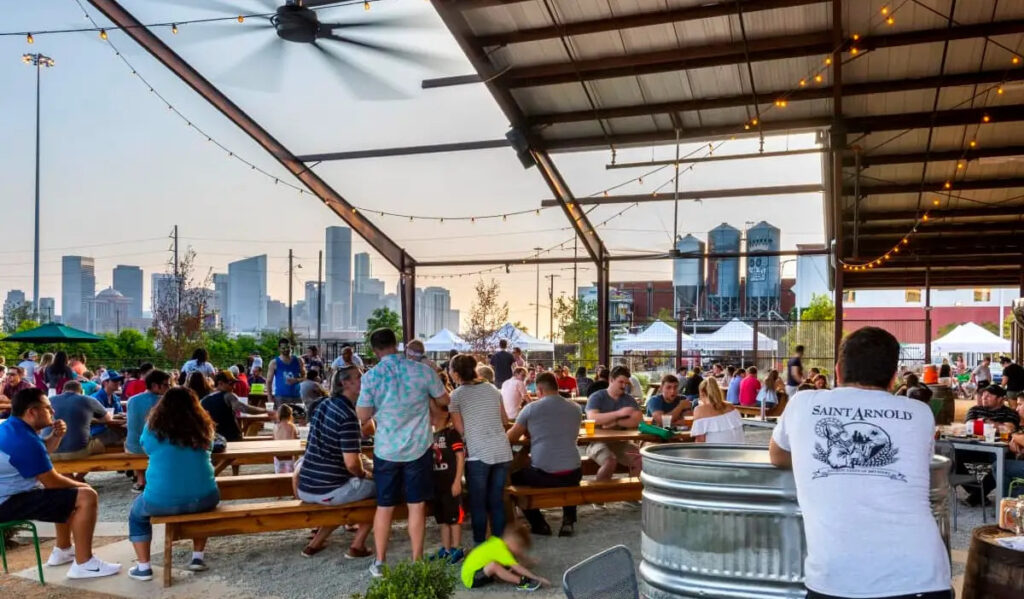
989, 439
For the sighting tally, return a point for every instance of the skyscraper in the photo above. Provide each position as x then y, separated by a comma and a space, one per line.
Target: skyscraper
361, 271
162, 292
247, 294
311, 301
437, 304
15, 300
47, 310
220, 292
128, 280
338, 281
78, 287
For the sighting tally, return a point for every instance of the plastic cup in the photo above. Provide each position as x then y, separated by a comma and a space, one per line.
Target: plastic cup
110, 411
990, 432
589, 426
666, 420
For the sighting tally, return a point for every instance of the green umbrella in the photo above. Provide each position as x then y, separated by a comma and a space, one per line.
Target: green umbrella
53, 333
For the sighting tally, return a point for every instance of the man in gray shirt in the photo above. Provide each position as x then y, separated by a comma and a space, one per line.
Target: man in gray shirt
78, 412
613, 408
553, 424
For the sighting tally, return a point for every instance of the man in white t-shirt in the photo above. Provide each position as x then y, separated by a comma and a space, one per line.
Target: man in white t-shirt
347, 357
861, 459
513, 392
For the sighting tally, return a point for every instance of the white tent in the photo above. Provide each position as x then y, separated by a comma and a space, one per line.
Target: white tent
517, 338
736, 335
970, 338
657, 337
445, 340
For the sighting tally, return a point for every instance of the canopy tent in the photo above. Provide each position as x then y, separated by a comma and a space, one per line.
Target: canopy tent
657, 337
517, 338
445, 340
970, 338
53, 333
735, 335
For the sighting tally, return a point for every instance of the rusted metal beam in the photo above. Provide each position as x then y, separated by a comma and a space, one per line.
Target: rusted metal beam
938, 186
706, 194
131, 27
709, 55
942, 118
644, 19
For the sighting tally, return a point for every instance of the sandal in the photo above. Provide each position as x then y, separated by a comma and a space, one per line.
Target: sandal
310, 551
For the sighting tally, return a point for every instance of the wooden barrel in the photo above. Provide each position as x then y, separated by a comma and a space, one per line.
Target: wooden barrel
943, 403
993, 571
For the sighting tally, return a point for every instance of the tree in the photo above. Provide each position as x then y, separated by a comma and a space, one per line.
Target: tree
381, 318
15, 315
578, 322
486, 316
814, 332
821, 307
180, 316
1008, 326
665, 315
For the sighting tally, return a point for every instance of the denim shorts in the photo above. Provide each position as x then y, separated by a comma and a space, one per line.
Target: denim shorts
141, 529
355, 489
413, 480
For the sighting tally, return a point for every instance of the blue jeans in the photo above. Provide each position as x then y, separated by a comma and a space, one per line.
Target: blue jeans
486, 483
139, 527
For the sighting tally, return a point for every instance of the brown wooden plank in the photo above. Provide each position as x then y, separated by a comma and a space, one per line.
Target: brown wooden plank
254, 486
103, 462
620, 489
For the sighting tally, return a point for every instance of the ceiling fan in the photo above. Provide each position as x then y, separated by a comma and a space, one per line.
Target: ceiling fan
298, 22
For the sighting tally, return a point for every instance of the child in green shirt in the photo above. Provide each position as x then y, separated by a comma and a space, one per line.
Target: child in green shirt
498, 558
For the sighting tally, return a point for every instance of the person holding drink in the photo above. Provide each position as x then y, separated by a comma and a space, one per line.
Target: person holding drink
613, 408
284, 375
668, 408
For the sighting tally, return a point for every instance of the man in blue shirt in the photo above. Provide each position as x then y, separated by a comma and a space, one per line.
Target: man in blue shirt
30, 489
668, 402
110, 384
284, 375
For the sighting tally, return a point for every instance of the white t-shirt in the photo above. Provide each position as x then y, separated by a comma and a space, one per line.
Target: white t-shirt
861, 461
193, 366
983, 373
340, 362
513, 396
29, 366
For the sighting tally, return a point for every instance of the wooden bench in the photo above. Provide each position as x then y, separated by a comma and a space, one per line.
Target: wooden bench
252, 518
589, 491
254, 486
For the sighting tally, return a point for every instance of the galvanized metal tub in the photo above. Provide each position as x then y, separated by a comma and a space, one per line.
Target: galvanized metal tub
719, 521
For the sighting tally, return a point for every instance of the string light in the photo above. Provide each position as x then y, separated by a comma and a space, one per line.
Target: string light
854, 51
947, 185
103, 34
973, 143
856, 36
828, 61
30, 39
959, 165
241, 19
174, 28
366, 5
890, 21
985, 118
818, 78
1015, 60
803, 82
885, 10
999, 90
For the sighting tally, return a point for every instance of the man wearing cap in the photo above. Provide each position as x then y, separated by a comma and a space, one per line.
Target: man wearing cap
110, 384
28, 365
222, 404
990, 408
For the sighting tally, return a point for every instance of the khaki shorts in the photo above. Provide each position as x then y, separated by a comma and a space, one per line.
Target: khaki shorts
625, 453
95, 446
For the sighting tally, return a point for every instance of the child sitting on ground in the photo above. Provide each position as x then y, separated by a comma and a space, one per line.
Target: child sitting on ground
498, 558
449, 463
285, 430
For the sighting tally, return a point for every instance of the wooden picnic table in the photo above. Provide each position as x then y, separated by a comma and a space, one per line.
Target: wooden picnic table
236, 454
603, 435
252, 424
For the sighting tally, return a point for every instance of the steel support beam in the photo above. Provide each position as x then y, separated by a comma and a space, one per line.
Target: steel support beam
706, 194
407, 150
937, 186
868, 160
630, 21
407, 284
604, 336
727, 53
937, 214
617, 258
585, 231
450, 81
837, 148
720, 158
131, 27
791, 95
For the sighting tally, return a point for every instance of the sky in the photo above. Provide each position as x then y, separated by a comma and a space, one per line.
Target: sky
119, 169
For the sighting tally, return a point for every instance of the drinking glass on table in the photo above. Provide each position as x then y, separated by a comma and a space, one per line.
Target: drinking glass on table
666, 420
589, 426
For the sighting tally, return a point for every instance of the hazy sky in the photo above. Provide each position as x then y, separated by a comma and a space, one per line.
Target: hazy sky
119, 169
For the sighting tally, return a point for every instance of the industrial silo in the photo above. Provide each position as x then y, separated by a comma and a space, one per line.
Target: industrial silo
723, 282
688, 277
764, 281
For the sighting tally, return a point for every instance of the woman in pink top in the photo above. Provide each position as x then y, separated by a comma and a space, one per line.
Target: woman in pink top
749, 387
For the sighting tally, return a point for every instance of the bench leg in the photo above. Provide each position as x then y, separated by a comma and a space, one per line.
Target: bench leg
168, 553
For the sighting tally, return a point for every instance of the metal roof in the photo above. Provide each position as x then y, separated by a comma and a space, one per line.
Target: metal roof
916, 98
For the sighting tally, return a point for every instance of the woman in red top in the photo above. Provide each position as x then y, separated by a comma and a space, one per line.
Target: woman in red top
749, 387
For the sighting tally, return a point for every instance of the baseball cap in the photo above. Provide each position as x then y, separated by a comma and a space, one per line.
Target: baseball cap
32, 354
111, 375
995, 390
224, 376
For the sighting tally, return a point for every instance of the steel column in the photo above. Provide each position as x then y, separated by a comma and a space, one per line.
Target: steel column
131, 27
927, 315
407, 285
604, 347
837, 145
697, 194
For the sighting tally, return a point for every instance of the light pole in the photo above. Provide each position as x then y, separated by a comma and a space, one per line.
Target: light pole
38, 61
536, 313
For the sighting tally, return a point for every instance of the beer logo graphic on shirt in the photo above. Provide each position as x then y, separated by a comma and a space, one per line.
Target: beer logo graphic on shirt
854, 448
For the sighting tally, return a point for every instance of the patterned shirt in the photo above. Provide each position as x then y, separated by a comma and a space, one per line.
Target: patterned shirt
333, 432
399, 391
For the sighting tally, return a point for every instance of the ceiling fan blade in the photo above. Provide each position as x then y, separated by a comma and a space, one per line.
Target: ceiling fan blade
412, 21
225, 6
262, 70
208, 32
363, 83
316, 3
425, 59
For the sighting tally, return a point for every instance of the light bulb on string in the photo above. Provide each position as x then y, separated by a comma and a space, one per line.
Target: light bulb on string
959, 165
985, 118
103, 34
828, 60
973, 143
30, 39
174, 28
818, 78
890, 21
885, 10
854, 51
803, 82
1015, 60
241, 19
366, 5
999, 90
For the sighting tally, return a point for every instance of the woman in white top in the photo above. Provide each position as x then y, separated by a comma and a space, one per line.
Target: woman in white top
715, 420
479, 416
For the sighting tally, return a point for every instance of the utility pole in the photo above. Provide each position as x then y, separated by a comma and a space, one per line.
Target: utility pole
177, 278
551, 306
319, 294
291, 332
536, 309
38, 61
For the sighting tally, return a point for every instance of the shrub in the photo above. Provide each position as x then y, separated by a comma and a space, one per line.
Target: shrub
413, 580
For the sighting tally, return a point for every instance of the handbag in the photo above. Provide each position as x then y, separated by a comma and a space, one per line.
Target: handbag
220, 444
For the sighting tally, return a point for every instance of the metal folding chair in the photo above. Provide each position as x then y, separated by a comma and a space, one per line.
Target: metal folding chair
607, 575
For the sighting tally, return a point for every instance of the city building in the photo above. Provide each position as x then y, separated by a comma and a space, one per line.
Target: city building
162, 292
360, 271
15, 300
277, 315
128, 280
220, 295
338, 280
111, 312
78, 287
311, 302
247, 295
47, 310
436, 311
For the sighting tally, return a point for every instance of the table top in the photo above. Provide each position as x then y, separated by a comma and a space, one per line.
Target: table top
247, 416
612, 435
256, 448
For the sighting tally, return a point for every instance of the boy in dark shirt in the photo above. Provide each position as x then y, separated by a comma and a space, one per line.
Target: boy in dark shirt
449, 464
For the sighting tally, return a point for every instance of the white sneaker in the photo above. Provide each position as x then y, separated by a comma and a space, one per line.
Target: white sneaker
59, 557
94, 568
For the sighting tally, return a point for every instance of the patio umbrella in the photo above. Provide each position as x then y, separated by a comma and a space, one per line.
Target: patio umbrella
53, 333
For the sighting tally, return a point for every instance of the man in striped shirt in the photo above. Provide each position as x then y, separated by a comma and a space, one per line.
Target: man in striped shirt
332, 471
